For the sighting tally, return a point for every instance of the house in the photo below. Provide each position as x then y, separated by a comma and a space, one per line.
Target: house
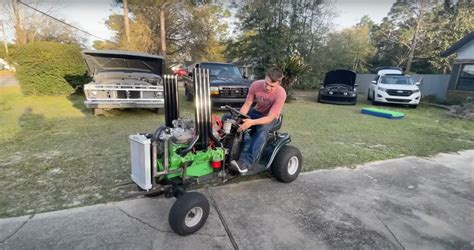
461, 82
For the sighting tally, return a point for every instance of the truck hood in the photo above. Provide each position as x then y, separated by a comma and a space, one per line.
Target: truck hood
340, 76
123, 61
229, 82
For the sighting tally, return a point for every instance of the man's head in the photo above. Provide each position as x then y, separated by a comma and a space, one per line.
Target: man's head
273, 78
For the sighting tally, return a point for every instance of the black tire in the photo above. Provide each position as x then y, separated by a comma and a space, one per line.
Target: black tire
413, 106
189, 96
368, 96
373, 98
281, 169
183, 211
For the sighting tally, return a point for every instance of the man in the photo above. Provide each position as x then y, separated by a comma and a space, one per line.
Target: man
269, 96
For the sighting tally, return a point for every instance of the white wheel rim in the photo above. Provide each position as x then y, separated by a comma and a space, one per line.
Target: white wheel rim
193, 217
293, 165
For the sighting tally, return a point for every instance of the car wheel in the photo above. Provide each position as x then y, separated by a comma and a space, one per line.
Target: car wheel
287, 164
413, 106
189, 96
189, 213
374, 102
368, 95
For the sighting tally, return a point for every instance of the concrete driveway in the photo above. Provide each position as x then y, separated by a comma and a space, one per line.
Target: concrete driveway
407, 203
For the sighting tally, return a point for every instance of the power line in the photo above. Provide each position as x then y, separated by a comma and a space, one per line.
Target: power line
61, 21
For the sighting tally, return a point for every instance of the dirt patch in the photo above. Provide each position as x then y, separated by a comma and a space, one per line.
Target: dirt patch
465, 111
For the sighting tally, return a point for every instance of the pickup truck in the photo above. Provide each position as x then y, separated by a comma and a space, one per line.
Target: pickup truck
227, 85
123, 79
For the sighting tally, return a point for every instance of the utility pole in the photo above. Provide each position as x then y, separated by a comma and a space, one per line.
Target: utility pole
4, 38
126, 21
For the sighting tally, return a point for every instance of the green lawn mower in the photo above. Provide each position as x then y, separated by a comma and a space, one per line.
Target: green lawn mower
184, 153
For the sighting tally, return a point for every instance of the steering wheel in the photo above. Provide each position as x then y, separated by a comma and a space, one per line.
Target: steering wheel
235, 112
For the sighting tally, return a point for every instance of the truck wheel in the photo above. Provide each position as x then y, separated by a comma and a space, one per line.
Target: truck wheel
287, 164
189, 213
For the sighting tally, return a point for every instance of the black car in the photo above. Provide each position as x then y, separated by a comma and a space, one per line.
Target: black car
227, 85
339, 87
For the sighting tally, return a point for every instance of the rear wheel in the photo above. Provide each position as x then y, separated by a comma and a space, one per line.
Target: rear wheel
287, 164
189, 213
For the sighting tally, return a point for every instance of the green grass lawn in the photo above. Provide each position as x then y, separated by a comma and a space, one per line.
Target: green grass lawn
54, 154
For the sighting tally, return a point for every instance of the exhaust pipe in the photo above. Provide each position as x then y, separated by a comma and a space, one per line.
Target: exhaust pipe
202, 103
171, 99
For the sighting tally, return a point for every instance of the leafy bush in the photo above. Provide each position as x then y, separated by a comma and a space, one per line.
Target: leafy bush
49, 68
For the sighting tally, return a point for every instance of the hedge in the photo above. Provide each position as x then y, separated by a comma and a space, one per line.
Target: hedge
49, 68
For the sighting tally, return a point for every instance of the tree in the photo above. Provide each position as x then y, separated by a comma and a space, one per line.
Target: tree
350, 48
280, 31
180, 30
398, 36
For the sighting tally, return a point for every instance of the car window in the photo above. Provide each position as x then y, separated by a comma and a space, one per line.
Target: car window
400, 80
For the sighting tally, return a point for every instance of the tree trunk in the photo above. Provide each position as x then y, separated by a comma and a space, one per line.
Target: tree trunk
126, 22
4, 39
162, 31
20, 35
413, 46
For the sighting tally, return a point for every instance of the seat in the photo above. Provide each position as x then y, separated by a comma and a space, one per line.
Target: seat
278, 123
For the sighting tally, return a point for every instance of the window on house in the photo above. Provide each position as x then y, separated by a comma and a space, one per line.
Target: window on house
466, 78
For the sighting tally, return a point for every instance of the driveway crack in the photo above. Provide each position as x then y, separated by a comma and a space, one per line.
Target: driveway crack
390, 231
143, 222
18, 229
222, 219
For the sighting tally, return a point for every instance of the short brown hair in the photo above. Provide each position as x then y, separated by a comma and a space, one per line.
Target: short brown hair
275, 74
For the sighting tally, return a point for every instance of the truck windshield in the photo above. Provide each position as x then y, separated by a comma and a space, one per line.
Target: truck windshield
222, 70
401, 80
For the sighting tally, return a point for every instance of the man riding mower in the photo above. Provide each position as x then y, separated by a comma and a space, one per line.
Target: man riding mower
184, 153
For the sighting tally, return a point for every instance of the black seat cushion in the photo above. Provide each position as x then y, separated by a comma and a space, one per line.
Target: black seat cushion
277, 125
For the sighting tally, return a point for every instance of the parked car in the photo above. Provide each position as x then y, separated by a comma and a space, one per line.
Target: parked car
181, 72
123, 79
339, 87
227, 85
392, 86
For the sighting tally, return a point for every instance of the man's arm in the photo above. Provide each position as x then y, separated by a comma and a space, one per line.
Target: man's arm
246, 107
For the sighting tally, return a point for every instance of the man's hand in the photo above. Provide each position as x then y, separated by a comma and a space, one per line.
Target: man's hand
247, 124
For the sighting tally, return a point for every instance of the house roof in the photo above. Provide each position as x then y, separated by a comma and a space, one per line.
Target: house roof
458, 45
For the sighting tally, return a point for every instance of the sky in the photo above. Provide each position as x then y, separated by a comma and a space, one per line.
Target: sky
90, 15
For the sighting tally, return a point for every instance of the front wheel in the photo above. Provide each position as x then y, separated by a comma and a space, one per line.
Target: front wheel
189, 213
287, 164
413, 106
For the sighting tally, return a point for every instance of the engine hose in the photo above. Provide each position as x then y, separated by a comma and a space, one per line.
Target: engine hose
213, 137
157, 133
183, 152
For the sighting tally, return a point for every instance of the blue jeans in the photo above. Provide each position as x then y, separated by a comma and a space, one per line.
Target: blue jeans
254, 140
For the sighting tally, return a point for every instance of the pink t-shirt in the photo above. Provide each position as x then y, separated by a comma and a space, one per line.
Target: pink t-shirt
267, 102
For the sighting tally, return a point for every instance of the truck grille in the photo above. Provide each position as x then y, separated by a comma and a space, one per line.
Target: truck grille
395, 92
237, 92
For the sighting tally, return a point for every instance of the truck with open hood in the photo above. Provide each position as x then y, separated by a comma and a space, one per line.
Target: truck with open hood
123, 79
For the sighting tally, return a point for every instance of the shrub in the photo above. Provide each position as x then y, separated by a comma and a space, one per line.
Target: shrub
49, 68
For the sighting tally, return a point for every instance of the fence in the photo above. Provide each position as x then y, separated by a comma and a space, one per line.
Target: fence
432, 84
